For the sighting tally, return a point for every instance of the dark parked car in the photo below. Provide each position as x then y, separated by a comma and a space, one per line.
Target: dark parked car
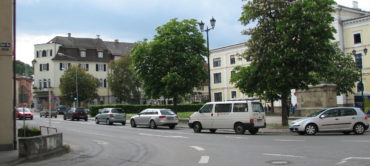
76, 113
45, 113
61, 109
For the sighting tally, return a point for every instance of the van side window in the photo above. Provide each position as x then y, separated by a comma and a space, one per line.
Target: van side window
257, 107
240, 107
206, 109
223, 108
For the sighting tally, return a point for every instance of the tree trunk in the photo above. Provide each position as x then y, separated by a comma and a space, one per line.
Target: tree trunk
284, 109
272, 106
175, 101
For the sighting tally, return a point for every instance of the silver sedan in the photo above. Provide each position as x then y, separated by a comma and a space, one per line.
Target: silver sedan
344, 119
153, 117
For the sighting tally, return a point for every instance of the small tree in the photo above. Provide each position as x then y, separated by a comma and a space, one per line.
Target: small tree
123, 82
173, 63
87, 85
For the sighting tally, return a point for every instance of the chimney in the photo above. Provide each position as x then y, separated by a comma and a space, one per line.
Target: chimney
355, 4
116, 41
98, 36
69, 34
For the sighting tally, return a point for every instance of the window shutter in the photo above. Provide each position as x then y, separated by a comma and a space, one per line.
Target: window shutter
60, 66
51, 52
105, 83
105, 67
47, 67
40, 67
97, 67
87, 67
37, 54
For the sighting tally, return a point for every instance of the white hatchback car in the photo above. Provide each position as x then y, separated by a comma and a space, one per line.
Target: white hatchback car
237, 115
344, 119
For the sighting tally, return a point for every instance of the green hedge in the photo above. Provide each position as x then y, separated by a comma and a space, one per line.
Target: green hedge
136, 108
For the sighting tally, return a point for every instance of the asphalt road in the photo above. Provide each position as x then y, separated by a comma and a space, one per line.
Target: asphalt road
118, 145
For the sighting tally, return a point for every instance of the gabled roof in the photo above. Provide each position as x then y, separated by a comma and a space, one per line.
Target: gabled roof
119, 48
80, 43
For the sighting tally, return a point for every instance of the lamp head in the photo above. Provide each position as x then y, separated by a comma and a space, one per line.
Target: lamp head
213, 22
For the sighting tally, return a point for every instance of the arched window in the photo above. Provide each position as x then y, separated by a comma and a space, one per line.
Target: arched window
43, 53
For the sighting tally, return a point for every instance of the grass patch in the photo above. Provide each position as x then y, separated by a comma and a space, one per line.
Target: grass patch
276, 126
272, 114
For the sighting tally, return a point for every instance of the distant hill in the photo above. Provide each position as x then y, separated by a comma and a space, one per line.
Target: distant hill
23, 68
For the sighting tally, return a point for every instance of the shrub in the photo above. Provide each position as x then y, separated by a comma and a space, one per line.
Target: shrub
29, 131
136, 108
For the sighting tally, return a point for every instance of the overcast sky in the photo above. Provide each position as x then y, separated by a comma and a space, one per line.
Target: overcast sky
38, 21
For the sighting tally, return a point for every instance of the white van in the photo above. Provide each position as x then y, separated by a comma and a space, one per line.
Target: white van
237, 115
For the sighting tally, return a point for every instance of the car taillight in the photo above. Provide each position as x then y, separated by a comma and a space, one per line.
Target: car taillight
74, 113
111, 115
251, 121
162, 116
366, 117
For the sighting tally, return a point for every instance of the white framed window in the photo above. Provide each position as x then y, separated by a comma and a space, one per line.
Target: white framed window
101, 67
101, 83
217, 78
357, 38
233, 94
83, 53
232, 59
218, 96
63, 66
216, 62
100, 54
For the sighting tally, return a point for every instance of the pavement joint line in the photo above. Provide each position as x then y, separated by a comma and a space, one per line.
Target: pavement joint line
289, 140
163, 136
352, 158
204, 160
235, 137
198, 148
357, 141
282, 155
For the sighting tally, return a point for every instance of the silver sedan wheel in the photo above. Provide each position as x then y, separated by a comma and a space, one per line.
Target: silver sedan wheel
311, 129
359, 129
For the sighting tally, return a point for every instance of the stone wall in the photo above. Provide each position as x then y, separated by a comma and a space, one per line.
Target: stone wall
34, 147
316, 98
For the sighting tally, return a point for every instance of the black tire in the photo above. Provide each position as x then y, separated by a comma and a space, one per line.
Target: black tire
239, 128
55, 116
64, 117
310, 129
359, 129
31, 118
253, 131
197, 127
108, 122
346, 132
40, 116
172, 126
133, 123
301, 133
123, 123
85, 119
212, 130
152, 124
96, 121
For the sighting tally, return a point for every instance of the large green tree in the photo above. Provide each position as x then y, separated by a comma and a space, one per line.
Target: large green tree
173, 63
290, 47
86, 83
123, 82
23, 68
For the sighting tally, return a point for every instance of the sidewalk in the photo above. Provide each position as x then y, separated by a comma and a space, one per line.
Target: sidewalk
9, 158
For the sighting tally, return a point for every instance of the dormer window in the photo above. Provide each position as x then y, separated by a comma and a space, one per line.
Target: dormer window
100, 54
83, 53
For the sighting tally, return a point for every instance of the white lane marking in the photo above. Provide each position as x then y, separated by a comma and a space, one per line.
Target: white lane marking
288, 140
236, 137
100, 142
357, 141
163, 136
352, 158
282, 155
204, 160
197, 148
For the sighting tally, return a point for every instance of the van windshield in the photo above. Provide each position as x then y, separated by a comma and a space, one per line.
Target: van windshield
257, 107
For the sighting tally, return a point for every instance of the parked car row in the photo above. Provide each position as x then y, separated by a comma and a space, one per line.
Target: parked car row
76, 114
45, 113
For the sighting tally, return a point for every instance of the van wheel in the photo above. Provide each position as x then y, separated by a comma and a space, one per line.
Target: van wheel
311, 129
239, 128
152, 124
123, 123
96, 121
132, 122
253, 131
172, 126
359, 129
212, 130
197, 127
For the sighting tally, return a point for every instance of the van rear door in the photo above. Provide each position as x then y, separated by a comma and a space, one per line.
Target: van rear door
257, 114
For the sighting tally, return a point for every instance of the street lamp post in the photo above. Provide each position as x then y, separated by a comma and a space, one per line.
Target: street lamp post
360, 85
201, 26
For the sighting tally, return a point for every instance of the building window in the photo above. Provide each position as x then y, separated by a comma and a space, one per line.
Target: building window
40, 84
357, 38
105, 83
45, 83
43, 53
101, 67
232, 59
63, 66
83, 53
49, 83
217, 78
37, 54
233, 94
218, 96
217, 62
232, 73
51, 52
101, 84
100, 54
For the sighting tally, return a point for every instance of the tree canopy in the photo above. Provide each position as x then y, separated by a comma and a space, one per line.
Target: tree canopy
23, 68
173, 63
290, 47
87, 85
123, 82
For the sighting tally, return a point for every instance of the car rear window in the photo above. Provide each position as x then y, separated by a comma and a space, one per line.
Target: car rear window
167, 112
119, 111
223, 108
80, 110
240, 107
25, 110
257, 107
